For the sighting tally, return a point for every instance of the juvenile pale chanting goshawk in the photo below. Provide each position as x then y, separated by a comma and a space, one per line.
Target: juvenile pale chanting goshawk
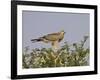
53, 38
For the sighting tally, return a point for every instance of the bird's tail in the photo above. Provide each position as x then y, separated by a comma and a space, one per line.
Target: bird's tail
36, 40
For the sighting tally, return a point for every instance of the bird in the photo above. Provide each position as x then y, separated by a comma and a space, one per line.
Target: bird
53, 38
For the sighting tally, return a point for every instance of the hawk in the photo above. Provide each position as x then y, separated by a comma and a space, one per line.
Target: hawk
53, 38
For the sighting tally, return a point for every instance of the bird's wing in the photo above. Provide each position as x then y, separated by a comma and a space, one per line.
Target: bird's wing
52, 37
54, 33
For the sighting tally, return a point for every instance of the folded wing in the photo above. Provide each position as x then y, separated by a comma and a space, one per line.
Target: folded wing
52, 37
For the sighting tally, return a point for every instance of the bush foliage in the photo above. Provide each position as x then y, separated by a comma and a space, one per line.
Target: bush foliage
67, 56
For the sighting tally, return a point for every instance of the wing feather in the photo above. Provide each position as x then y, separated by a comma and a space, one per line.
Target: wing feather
52, 37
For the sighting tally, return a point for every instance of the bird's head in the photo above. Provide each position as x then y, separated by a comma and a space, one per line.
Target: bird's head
62, 32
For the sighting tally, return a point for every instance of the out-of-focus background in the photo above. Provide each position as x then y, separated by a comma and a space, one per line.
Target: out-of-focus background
37, 24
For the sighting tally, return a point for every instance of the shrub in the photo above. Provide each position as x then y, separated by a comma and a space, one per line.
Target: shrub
67, 56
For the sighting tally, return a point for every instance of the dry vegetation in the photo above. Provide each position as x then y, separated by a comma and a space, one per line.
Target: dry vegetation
69, 55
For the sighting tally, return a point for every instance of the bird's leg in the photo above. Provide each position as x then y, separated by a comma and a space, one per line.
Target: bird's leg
55, 46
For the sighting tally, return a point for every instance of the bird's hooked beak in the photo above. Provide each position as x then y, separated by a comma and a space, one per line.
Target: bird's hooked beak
64, 32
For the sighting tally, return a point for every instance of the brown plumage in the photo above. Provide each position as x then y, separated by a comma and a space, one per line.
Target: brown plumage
54, 38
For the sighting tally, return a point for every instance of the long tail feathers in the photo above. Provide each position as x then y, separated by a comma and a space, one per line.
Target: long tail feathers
35, 40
